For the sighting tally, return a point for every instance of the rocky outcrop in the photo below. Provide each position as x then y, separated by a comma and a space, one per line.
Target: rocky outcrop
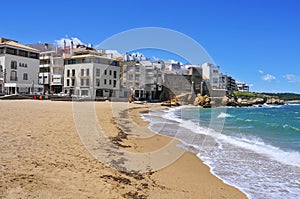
242, 102
203, 101
275, 101
172, 102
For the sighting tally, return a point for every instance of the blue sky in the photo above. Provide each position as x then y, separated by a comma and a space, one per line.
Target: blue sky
257, 41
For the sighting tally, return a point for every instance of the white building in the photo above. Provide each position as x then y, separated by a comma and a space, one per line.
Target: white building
242, 86
213, 74
142, 77
158, 64
19, 67
91, 75
51, 71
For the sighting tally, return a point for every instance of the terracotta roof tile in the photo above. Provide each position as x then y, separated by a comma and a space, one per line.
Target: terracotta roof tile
15, 44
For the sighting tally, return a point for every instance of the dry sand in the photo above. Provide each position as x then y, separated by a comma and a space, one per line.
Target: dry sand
42, 156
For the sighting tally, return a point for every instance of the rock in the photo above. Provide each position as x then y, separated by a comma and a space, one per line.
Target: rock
275, 101
202, 100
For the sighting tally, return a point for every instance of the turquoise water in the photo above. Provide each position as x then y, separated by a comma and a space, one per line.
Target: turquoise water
256, 149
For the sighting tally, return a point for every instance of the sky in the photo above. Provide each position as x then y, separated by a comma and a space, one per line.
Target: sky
255, 41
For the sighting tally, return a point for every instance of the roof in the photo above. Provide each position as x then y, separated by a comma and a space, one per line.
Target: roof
17, 45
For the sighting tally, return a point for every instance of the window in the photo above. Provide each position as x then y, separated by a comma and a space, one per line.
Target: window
25, 76
84, 93
68, 73
98, 82
87, 82
87, 72
68, 82
215, 80
115, 83
105, 72
11, 51
110, 82
81, 82
115, 74
104, 81
34, 55
13, 64
73, 82
13, 76
110, 72
130, 76
82, 72
23, 53
73, 72
97, 72
130, 68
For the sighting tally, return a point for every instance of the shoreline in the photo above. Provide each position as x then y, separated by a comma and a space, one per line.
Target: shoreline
191, 151
44, 157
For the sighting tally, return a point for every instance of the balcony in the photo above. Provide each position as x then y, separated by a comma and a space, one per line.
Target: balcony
44, 57
57, 82
57, 66
57, 76
13, 78
45, 65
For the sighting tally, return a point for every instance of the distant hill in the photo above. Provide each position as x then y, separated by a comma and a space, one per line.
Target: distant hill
284, 96
281, 96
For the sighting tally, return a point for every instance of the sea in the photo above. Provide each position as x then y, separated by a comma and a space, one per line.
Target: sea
256, 149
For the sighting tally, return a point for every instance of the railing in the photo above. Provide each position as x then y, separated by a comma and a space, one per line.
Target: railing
45, 57
44, 65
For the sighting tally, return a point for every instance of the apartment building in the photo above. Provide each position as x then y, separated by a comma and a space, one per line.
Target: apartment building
51, 68
213, 74
229, 83
89, 74
142, 77
19, 67
242, 86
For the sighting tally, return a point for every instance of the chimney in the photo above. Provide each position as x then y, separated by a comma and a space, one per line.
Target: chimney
72, 46
65, 45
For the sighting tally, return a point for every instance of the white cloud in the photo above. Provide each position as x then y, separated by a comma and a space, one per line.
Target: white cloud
261, 72
76, 41
156, 58
292, 78
268, 77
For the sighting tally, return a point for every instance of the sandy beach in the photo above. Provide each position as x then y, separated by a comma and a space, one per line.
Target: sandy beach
43, 156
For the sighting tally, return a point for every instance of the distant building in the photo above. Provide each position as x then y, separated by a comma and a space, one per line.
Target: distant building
229, 83
158, 64
212, 73
242, 86
19, 67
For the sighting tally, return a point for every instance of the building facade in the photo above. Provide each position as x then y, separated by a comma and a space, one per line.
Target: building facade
242, 86
88, 74
20, 66
229, 83
212, 73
